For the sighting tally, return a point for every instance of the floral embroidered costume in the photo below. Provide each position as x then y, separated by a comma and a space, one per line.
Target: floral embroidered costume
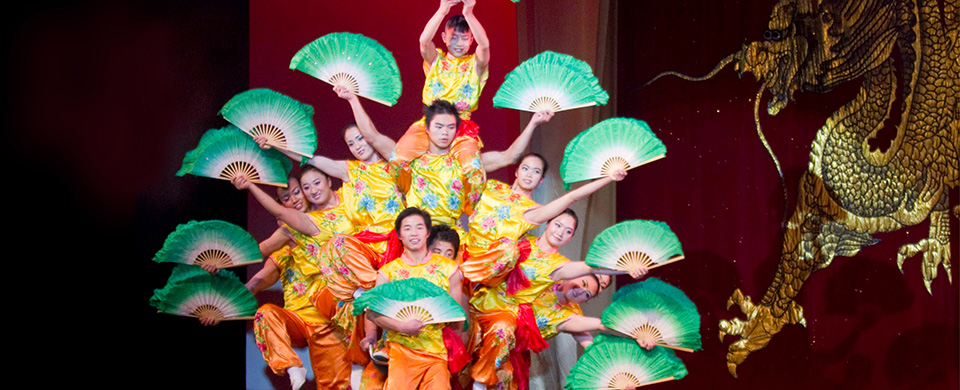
419, 361
495, 226
507, 326
278, 330
455, 80
440, 186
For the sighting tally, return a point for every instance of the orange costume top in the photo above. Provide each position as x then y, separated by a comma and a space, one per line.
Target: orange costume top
495, 225
440, 186
437, 270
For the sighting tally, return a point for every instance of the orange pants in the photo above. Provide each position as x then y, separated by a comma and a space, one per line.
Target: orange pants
277, 331
372, 377
497, 339
490, 266
413, 369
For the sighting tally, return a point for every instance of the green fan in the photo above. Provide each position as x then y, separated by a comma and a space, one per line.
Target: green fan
550, 81
619, 363
662, 314
409, 299
629, 245
354, 61
286, 123
609, 145
192, 292
226, 153
220, 243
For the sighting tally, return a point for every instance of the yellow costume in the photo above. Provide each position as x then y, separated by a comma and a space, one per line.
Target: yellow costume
329, 222
278, 330
455, 80
495, 225
419, 361
440, 186
497, 313
300, 322
373, 197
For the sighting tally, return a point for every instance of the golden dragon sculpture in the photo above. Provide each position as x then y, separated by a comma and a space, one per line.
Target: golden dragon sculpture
852, 189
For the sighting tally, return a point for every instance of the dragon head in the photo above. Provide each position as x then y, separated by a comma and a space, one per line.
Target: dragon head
814, 45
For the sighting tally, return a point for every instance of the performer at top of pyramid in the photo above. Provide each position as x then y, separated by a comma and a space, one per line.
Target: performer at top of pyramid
451, 75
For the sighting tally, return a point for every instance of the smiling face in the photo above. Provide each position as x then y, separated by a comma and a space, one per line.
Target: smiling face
359, 147
413, 233
441, 130
580, 290
458, 42
316, 187
292, 196
560, 230
529, 173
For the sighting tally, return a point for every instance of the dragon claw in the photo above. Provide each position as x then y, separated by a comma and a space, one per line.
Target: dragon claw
935, 254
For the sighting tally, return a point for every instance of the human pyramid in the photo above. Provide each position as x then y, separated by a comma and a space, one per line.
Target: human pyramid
381, 276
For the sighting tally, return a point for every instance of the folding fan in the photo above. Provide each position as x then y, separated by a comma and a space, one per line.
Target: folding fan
617, 363
215, 242
550, 81
409, 299
652, 314
192, 292
286, 123
629, 245
226, 153
354, 61
609, 145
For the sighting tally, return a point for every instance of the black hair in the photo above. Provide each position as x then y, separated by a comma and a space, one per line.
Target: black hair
307, 168
570, 212
599, 287
343, 132
445, 233
439, 107
408, 212
543, 172
458, 23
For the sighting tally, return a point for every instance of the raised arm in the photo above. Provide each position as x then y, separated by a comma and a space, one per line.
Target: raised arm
427, 49
499, 159
479, 35
544, 213
576, 269
295, 219
267, 276
273, 243
331, 167
381, 143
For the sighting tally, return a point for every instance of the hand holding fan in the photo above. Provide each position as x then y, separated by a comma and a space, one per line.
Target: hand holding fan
658, 312
219, 243
286, 123
629, 245
411, 299
226, 153
193, 292
354, 61
550, 81
618, 363
612, 144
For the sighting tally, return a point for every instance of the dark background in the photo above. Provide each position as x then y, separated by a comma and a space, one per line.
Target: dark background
105, 97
